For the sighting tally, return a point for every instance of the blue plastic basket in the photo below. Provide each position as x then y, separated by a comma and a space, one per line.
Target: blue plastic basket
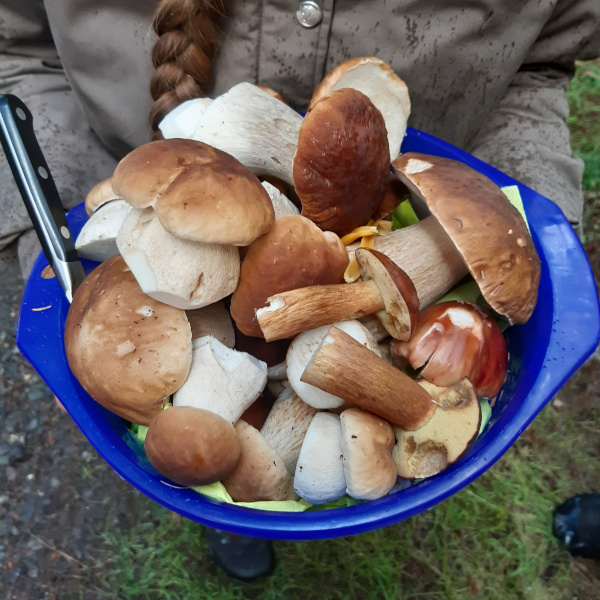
562, 333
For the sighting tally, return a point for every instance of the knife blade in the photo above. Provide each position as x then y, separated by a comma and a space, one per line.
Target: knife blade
39, 192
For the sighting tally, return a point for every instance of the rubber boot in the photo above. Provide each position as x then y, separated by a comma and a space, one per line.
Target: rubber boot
576, 524
243, 558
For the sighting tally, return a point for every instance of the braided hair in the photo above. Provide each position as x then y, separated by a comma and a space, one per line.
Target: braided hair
182, 54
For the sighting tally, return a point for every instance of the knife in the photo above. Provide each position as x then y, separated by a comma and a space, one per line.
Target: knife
39, 192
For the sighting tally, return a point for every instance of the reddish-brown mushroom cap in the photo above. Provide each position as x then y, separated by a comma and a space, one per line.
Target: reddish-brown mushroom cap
486, 229
294, 253
198, 192
342, 161
191, 446
398, 292
455, 340
127, 350
99, 195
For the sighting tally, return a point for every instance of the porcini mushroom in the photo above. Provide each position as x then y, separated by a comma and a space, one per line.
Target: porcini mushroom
260, 473
374, 78
473, 228
183, 119
286, 426
221, 380
128, 351
319, 474
97, 239
385, 289
367, 444
294, 253
455, 340
449, 433
191, 446
345, 368
271, 139
99, 195
198, 192
175, 271
301, 351
282, 205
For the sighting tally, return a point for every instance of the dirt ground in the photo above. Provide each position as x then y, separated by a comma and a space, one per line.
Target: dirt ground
57, 495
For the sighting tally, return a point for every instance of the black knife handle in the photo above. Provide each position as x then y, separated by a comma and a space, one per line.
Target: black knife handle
35, 183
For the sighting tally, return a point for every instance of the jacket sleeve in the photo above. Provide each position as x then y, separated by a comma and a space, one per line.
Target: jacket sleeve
527, 135
30, 69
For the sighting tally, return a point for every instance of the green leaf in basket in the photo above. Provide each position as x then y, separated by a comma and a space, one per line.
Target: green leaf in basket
404, 215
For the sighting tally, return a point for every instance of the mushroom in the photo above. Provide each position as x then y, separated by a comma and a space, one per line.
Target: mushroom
175, 271
374, 78
273, 93
286, 426
260, 473
199, 193
128, 351
474, 228
385, 289
99, 195
183, 119
97, 239
294, 253
191, 446
449, 433
282, 205
343, 367
214, 320
455, 340
271, 139
301, 351
367, 444
319, 474
221, 380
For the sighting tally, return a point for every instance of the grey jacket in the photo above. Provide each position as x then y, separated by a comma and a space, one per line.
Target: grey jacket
490, 77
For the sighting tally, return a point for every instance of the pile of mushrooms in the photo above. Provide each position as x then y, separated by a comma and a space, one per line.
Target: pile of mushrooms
220, 318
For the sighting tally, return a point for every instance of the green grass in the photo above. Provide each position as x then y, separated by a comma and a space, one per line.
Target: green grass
491, 541
584, 122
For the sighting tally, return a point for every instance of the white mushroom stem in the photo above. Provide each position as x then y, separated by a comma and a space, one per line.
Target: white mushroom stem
178, 272
319, 474
182, 120
282, 205
97, 240
257, 129
426, 254
221, 380
343, 367
277, 372
286, 426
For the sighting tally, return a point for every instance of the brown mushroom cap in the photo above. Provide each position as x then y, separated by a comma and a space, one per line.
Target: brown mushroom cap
295, 253
99, 195
486, 229
198, 192
342, 161
191, 446
128, 351
397, 291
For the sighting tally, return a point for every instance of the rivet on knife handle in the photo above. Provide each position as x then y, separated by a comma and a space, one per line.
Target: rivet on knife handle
39, 193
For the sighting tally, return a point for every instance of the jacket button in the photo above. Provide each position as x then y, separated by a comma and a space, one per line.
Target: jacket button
309, 14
